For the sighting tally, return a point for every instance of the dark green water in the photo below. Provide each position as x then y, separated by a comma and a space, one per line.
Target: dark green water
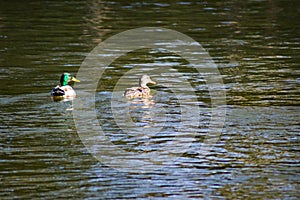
255, 45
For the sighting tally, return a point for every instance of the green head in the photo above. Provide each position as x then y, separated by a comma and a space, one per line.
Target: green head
66, 78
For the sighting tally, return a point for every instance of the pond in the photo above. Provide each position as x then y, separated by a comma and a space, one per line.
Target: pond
151, 148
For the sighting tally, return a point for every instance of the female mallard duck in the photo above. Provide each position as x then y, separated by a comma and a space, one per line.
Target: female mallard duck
64, 90
143, 91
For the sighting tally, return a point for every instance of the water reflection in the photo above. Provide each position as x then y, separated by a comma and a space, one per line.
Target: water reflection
146, 116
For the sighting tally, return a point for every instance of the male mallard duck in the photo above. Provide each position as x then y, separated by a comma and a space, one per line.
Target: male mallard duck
143, 91
64, 90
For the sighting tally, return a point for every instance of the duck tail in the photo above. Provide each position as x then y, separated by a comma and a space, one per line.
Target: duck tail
57, 92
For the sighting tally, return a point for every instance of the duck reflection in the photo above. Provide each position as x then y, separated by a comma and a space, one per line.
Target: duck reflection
141, 112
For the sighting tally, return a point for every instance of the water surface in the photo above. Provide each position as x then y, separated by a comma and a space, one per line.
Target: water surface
255, 45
